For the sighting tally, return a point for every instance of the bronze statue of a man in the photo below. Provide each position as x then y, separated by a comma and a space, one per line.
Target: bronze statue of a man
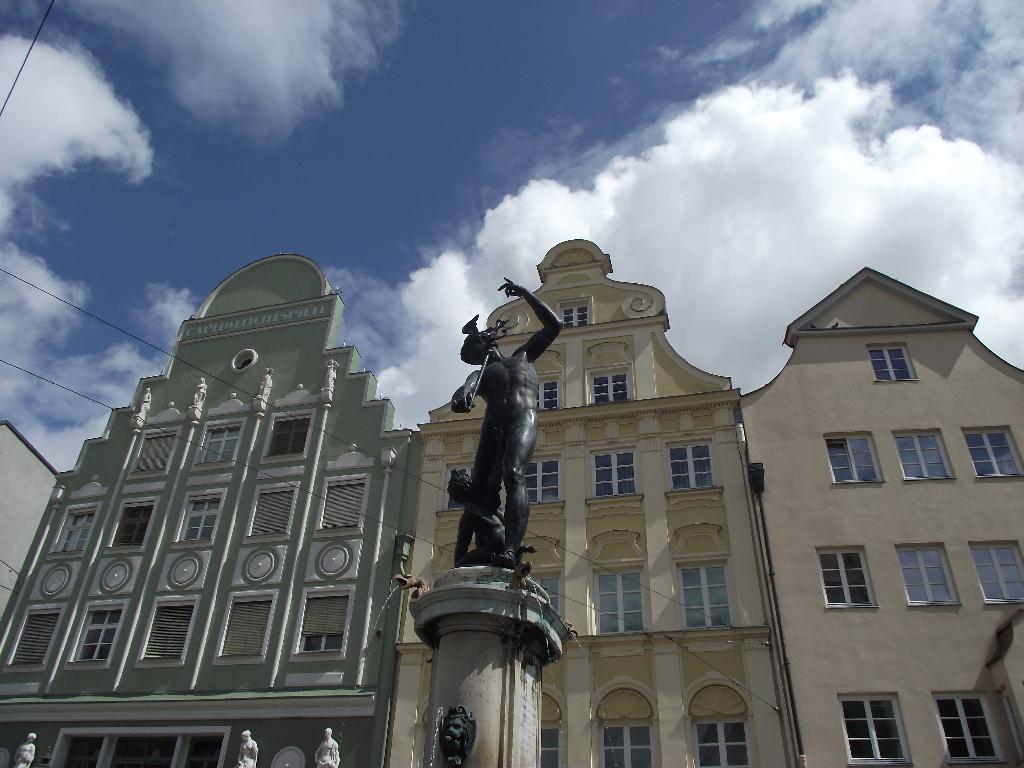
509, 432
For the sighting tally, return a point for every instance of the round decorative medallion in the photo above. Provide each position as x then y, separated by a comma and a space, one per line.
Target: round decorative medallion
115, 576
333, 560
55, 581
184, 571
260, 565
289, 757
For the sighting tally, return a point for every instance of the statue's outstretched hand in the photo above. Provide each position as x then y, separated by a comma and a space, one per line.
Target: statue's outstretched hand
462, 401
512, 289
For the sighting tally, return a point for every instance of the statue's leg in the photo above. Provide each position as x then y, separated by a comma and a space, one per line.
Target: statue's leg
462, 540
486, 477
519, 445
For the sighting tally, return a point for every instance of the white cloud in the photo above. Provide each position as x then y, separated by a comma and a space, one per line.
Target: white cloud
35, 331
958, 63
63, 113
261, 66
166, 307
752, 205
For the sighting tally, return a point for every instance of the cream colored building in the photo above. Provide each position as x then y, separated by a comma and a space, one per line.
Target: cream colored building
640, 486
895, 508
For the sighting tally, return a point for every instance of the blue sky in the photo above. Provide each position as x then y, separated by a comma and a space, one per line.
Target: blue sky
745, 157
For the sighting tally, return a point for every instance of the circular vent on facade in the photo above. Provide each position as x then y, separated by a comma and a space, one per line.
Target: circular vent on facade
244, 359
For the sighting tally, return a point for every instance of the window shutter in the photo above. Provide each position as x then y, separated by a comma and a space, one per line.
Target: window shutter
344, 505
170, 629
247, 627
155, 453
273, 510
35, 638
325, 615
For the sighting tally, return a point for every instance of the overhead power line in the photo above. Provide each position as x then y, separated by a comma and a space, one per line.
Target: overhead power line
381, 521
324, 431
25, 60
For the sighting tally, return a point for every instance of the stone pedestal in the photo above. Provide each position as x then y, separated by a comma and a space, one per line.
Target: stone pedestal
490, 644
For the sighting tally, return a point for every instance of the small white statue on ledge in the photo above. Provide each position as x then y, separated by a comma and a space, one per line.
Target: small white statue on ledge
198, 399
140, 416
26, 753
263, 393
330, 375
327, 754
247, 752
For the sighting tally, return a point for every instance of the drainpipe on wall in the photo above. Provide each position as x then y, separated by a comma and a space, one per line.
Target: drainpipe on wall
755, 471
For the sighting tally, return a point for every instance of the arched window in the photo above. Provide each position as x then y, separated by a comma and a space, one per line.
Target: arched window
626, 738
551, 739
720, 728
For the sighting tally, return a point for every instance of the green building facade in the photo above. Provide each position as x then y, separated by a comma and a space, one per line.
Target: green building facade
220, 559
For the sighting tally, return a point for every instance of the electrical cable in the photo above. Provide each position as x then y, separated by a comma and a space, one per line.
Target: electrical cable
298, 488
271, 407
25, 60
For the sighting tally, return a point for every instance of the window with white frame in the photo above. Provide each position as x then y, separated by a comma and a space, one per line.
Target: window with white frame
1014, 721
550, 748
965, 727
873, 731
542, 480
844, 578
273, 511
925, 575
614, 474
851, 459
35, 638
449, 502
343, 504
219, 444
547, 395
553, 586
626, 746
992, 453
999, 571
619, 602
101, 626
77, 527
890, 364
246, 627
722, 744
289, 437
154, 453
200, 519
690, 466
575, 314
609, 387
921, 456
132, 527
323, 623
169, 631
705, 596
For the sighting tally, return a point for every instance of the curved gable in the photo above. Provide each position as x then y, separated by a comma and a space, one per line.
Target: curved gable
279, 279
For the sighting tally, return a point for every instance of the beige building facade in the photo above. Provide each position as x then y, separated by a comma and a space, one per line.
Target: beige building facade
642, 522
894, 502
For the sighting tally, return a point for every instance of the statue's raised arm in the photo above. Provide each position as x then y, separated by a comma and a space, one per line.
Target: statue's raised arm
550, 324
